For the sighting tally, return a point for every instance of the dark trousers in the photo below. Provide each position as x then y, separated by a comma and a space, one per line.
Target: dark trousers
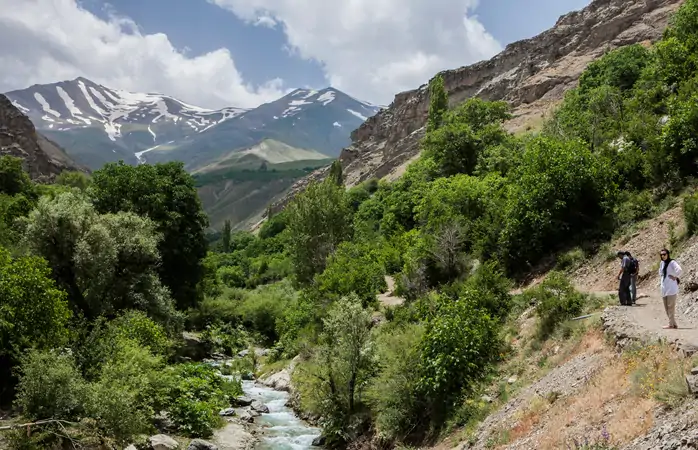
624, 290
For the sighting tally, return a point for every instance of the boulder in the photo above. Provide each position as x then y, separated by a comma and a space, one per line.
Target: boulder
319, 441
692, 382
200, 444
193, 347
260, 407
241, 401
246, 416
281, 381
162, 442
227, 412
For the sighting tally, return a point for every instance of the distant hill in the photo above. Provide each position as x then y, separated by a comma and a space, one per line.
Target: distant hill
240, 185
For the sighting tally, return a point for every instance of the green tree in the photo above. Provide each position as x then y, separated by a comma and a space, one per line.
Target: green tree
106, 263
226, 236
13, 178
464, 135
73, 179
336, 173
560, 189
438, 103
34, 313
459, 345
342, 365
353, 268
319, 219
166, 194
620, 68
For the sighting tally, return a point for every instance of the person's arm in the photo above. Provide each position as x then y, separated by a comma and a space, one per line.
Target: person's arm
620, 272
676, 270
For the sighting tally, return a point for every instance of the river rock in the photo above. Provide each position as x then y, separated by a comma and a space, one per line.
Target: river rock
227, 412
241, 401
281, 381
192, 347
233, 436
319, 441
163, 442
200, 444
246, 416
260, 407
692, 382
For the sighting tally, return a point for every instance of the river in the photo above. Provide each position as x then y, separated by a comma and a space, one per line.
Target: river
280, 429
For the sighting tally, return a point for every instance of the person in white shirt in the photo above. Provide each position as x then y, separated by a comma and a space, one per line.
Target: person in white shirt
669, 273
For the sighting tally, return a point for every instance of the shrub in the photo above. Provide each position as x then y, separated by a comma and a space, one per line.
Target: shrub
261, 308
569, 259
197, 395
393, 395
690, 213
460, 342
50, 386
556, 301
224, 338
232, 276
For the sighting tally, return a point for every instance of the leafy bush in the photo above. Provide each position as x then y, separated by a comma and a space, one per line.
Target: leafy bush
392, 394
50, 386
261, 308
232, 276
196, 397
690, 213
569, 259
224, 338
353, 268
459, 345
556, 301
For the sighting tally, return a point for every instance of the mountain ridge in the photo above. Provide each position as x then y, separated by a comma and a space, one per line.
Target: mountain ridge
532, 75
98, 124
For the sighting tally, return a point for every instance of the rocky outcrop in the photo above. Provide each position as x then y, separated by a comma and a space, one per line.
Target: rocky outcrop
532, 75
43, 159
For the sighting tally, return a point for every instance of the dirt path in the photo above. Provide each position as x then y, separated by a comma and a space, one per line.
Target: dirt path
388, 298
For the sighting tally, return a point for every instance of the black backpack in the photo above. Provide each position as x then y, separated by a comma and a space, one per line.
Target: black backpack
632, 265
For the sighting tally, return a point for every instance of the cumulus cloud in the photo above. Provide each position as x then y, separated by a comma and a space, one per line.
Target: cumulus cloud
375, 48
44, 41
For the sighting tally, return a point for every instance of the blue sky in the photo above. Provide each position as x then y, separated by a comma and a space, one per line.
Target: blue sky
217, 53
259, 52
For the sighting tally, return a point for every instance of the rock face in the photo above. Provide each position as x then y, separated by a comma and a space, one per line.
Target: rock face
532, 75
43, 159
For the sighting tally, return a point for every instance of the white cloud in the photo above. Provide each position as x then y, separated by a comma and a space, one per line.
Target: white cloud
376, 48
44, 41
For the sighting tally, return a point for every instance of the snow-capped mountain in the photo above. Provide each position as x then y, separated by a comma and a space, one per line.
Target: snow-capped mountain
97, 124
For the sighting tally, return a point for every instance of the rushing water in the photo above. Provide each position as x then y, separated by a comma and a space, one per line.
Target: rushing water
280, 428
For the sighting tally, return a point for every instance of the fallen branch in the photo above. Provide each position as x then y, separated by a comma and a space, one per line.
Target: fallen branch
38, 422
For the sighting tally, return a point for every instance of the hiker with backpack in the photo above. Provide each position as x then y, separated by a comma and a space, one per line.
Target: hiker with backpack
669, 273
624, 280
634, 271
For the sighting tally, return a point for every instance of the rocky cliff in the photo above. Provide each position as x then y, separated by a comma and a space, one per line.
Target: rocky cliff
532, 75
43, 159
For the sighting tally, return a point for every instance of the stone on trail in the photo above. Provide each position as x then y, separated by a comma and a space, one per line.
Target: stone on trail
227, 412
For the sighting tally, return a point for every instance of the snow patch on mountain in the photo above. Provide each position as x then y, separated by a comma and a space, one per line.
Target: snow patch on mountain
357, 114
326, 98
44, 104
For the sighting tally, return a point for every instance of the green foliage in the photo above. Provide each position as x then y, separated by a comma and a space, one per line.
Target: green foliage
393, 394
620, 68
335, 175
556, 301
196, 396
459, 345
340, 369
33, 312
225, 239
260, 309
690, 213
13, 179
490, 289
74, 179
50, 386
273, 226
164, 193
438, 103
232, 276
224, 338
679, 135
319, 222
574, 195
353, 268
106, 263
464, 135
